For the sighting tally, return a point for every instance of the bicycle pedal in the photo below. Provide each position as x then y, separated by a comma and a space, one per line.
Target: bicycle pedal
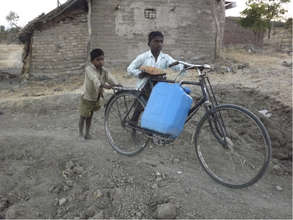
158, 142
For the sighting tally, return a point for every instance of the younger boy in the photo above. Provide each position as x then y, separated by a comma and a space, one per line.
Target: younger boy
96, 78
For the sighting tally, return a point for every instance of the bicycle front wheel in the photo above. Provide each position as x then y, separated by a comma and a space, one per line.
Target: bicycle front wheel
124, 108
233, 146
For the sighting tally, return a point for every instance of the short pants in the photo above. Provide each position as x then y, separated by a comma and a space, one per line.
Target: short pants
87, 107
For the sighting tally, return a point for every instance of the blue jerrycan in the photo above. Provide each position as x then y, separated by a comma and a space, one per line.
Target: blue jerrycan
167, 109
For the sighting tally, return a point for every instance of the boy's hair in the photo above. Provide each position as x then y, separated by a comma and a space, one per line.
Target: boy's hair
96, 53
154, 34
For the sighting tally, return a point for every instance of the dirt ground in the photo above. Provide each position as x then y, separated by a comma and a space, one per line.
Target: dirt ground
47, 171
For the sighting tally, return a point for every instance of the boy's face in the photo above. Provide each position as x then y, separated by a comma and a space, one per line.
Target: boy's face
98, 62
156, 44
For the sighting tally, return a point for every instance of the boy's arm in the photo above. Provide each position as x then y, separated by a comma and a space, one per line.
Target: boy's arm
133, 68
110, 79
178, 67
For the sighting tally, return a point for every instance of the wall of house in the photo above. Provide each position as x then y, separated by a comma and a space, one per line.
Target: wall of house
61, 47
193, 29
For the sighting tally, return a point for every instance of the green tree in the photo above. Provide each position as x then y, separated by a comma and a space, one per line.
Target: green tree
12, 18
260, 14
253, 19
273, 10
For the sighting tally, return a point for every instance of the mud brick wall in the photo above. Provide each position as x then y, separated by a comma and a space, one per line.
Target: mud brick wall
193, 29
61, 46
234, 33
281, 39
9, 38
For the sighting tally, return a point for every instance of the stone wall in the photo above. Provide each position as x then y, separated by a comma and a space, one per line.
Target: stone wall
281, 39
7, 37
234, 33
193, 29
61, 47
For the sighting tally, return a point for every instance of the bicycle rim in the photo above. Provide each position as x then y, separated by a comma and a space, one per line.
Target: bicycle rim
236, 153
123, 139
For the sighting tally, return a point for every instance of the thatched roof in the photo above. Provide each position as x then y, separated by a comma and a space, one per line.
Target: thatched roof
230, 4
45, 18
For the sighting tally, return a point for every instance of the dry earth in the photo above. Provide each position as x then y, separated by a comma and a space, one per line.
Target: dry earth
46, 171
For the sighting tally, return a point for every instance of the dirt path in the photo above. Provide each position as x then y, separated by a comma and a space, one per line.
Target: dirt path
46, 171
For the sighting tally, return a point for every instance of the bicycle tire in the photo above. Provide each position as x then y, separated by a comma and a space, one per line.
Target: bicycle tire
119, 136
245, 147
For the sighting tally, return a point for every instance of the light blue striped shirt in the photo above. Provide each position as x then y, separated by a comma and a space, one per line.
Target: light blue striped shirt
148, 59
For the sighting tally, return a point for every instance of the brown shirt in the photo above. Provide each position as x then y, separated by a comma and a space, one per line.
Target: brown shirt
94, 81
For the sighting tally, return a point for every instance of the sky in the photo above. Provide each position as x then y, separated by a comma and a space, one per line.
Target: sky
27, 10
240, 6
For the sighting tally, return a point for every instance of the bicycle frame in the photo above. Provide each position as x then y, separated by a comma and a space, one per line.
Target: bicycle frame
208, 99
217, 132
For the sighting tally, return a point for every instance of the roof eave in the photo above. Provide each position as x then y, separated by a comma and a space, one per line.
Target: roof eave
230, 4
44, 18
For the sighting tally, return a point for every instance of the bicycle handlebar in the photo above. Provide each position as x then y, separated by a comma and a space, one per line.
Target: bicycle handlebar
173, 64
188, 66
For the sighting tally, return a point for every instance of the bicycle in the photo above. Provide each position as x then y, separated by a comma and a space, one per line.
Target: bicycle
231, 143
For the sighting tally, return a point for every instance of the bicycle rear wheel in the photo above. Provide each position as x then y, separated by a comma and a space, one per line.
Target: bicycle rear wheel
233, 146
118, 114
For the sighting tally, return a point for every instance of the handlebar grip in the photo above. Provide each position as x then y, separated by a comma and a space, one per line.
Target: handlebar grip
174, 64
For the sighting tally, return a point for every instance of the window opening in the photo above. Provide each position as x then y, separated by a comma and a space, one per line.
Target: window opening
150, 13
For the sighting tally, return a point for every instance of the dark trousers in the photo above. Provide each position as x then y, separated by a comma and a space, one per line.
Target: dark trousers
139, 108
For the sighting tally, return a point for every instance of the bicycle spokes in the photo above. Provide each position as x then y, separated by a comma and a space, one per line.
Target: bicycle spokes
123, 109
234, 149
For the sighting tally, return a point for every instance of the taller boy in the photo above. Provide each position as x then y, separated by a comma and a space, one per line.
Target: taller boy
153, 57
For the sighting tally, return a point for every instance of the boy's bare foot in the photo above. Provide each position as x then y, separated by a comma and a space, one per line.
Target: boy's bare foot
80, 137
87, 137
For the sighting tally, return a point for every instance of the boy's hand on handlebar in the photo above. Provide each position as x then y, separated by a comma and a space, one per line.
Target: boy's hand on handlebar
106, 86
110, 86
173, 64
177, 62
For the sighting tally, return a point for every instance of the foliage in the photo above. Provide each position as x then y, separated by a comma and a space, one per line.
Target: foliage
254, 17
260, 14
12, 18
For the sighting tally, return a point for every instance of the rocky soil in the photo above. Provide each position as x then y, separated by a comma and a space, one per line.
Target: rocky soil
47, 171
